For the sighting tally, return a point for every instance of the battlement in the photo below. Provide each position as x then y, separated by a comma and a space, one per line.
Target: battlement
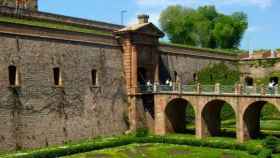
21, 4
266, 54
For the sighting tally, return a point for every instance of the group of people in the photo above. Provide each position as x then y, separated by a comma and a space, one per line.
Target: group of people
271, 86
167, 82
150, 85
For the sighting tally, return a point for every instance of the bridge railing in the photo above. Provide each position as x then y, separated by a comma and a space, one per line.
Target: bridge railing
216, 89
226, 89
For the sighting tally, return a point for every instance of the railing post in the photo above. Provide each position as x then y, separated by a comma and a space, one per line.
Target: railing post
155, 86
238, 89
198, 88
180, 87
276, 91
174, 84
217, 88
263, 90
255, 88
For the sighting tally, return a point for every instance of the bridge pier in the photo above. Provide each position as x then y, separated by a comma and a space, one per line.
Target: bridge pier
160, 103
241, 130
200, 126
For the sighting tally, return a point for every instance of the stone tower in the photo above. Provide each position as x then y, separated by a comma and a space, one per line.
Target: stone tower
23, 4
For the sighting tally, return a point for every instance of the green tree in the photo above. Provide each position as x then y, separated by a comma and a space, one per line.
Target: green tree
204, 27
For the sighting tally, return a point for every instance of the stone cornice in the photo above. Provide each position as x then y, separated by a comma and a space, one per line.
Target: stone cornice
55, 34
196, 53
9, 11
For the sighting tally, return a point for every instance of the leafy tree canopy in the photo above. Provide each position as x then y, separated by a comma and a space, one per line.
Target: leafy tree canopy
203, 27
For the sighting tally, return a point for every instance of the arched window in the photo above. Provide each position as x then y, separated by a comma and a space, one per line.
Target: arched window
57, 76
249, 81
94, 77
13, 78
194, 77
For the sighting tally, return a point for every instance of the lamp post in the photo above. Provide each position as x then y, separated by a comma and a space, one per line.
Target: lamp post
122, 16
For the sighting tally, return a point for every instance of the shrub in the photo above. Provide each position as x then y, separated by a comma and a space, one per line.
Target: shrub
265, 153
271, 142
277, 150
129, 139
142, 132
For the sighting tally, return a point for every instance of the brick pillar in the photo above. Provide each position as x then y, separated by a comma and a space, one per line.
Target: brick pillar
156, 66
160, 104
134, 67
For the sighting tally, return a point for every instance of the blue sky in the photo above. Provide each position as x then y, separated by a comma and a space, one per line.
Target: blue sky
264, 23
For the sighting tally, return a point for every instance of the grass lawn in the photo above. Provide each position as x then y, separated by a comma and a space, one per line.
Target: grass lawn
162, 151
51, 25
273, 125
276, 156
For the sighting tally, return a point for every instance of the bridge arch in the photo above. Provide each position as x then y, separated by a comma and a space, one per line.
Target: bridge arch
175, 115
211, 116
251, 117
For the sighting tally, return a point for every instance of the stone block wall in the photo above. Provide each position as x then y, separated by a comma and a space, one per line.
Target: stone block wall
186, 63
37, 113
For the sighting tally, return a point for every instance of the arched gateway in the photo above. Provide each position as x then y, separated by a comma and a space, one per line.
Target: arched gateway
176, 115
252, 116
212, 119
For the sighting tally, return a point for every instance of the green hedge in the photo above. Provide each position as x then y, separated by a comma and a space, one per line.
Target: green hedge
265, 153
126, 140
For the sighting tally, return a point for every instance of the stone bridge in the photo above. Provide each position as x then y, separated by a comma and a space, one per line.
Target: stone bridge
207, 101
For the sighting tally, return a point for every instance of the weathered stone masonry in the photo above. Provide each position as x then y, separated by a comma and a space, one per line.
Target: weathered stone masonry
36, 113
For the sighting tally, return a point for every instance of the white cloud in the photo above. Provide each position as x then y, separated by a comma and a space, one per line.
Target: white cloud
253, 29
258, 3
166, 2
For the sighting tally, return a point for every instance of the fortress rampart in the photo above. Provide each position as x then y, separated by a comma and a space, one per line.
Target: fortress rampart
61, 84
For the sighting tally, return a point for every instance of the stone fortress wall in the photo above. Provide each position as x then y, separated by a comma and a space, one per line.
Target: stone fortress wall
35, 112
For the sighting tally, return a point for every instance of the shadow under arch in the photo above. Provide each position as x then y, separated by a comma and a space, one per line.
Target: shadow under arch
212, 120
252, 118
176, 116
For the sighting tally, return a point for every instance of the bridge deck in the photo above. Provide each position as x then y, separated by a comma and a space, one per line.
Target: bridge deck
213, 90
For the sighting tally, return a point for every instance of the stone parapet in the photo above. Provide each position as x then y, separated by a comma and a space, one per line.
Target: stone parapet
47, 33
168, 49
61, 19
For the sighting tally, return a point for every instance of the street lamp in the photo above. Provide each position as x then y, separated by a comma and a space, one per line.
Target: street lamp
122, 16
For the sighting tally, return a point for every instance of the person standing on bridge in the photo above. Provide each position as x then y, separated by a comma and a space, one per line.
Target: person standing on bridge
271, 87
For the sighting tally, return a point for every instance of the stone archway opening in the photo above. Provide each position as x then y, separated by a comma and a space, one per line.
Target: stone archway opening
219, 119
180, 117
261, 119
